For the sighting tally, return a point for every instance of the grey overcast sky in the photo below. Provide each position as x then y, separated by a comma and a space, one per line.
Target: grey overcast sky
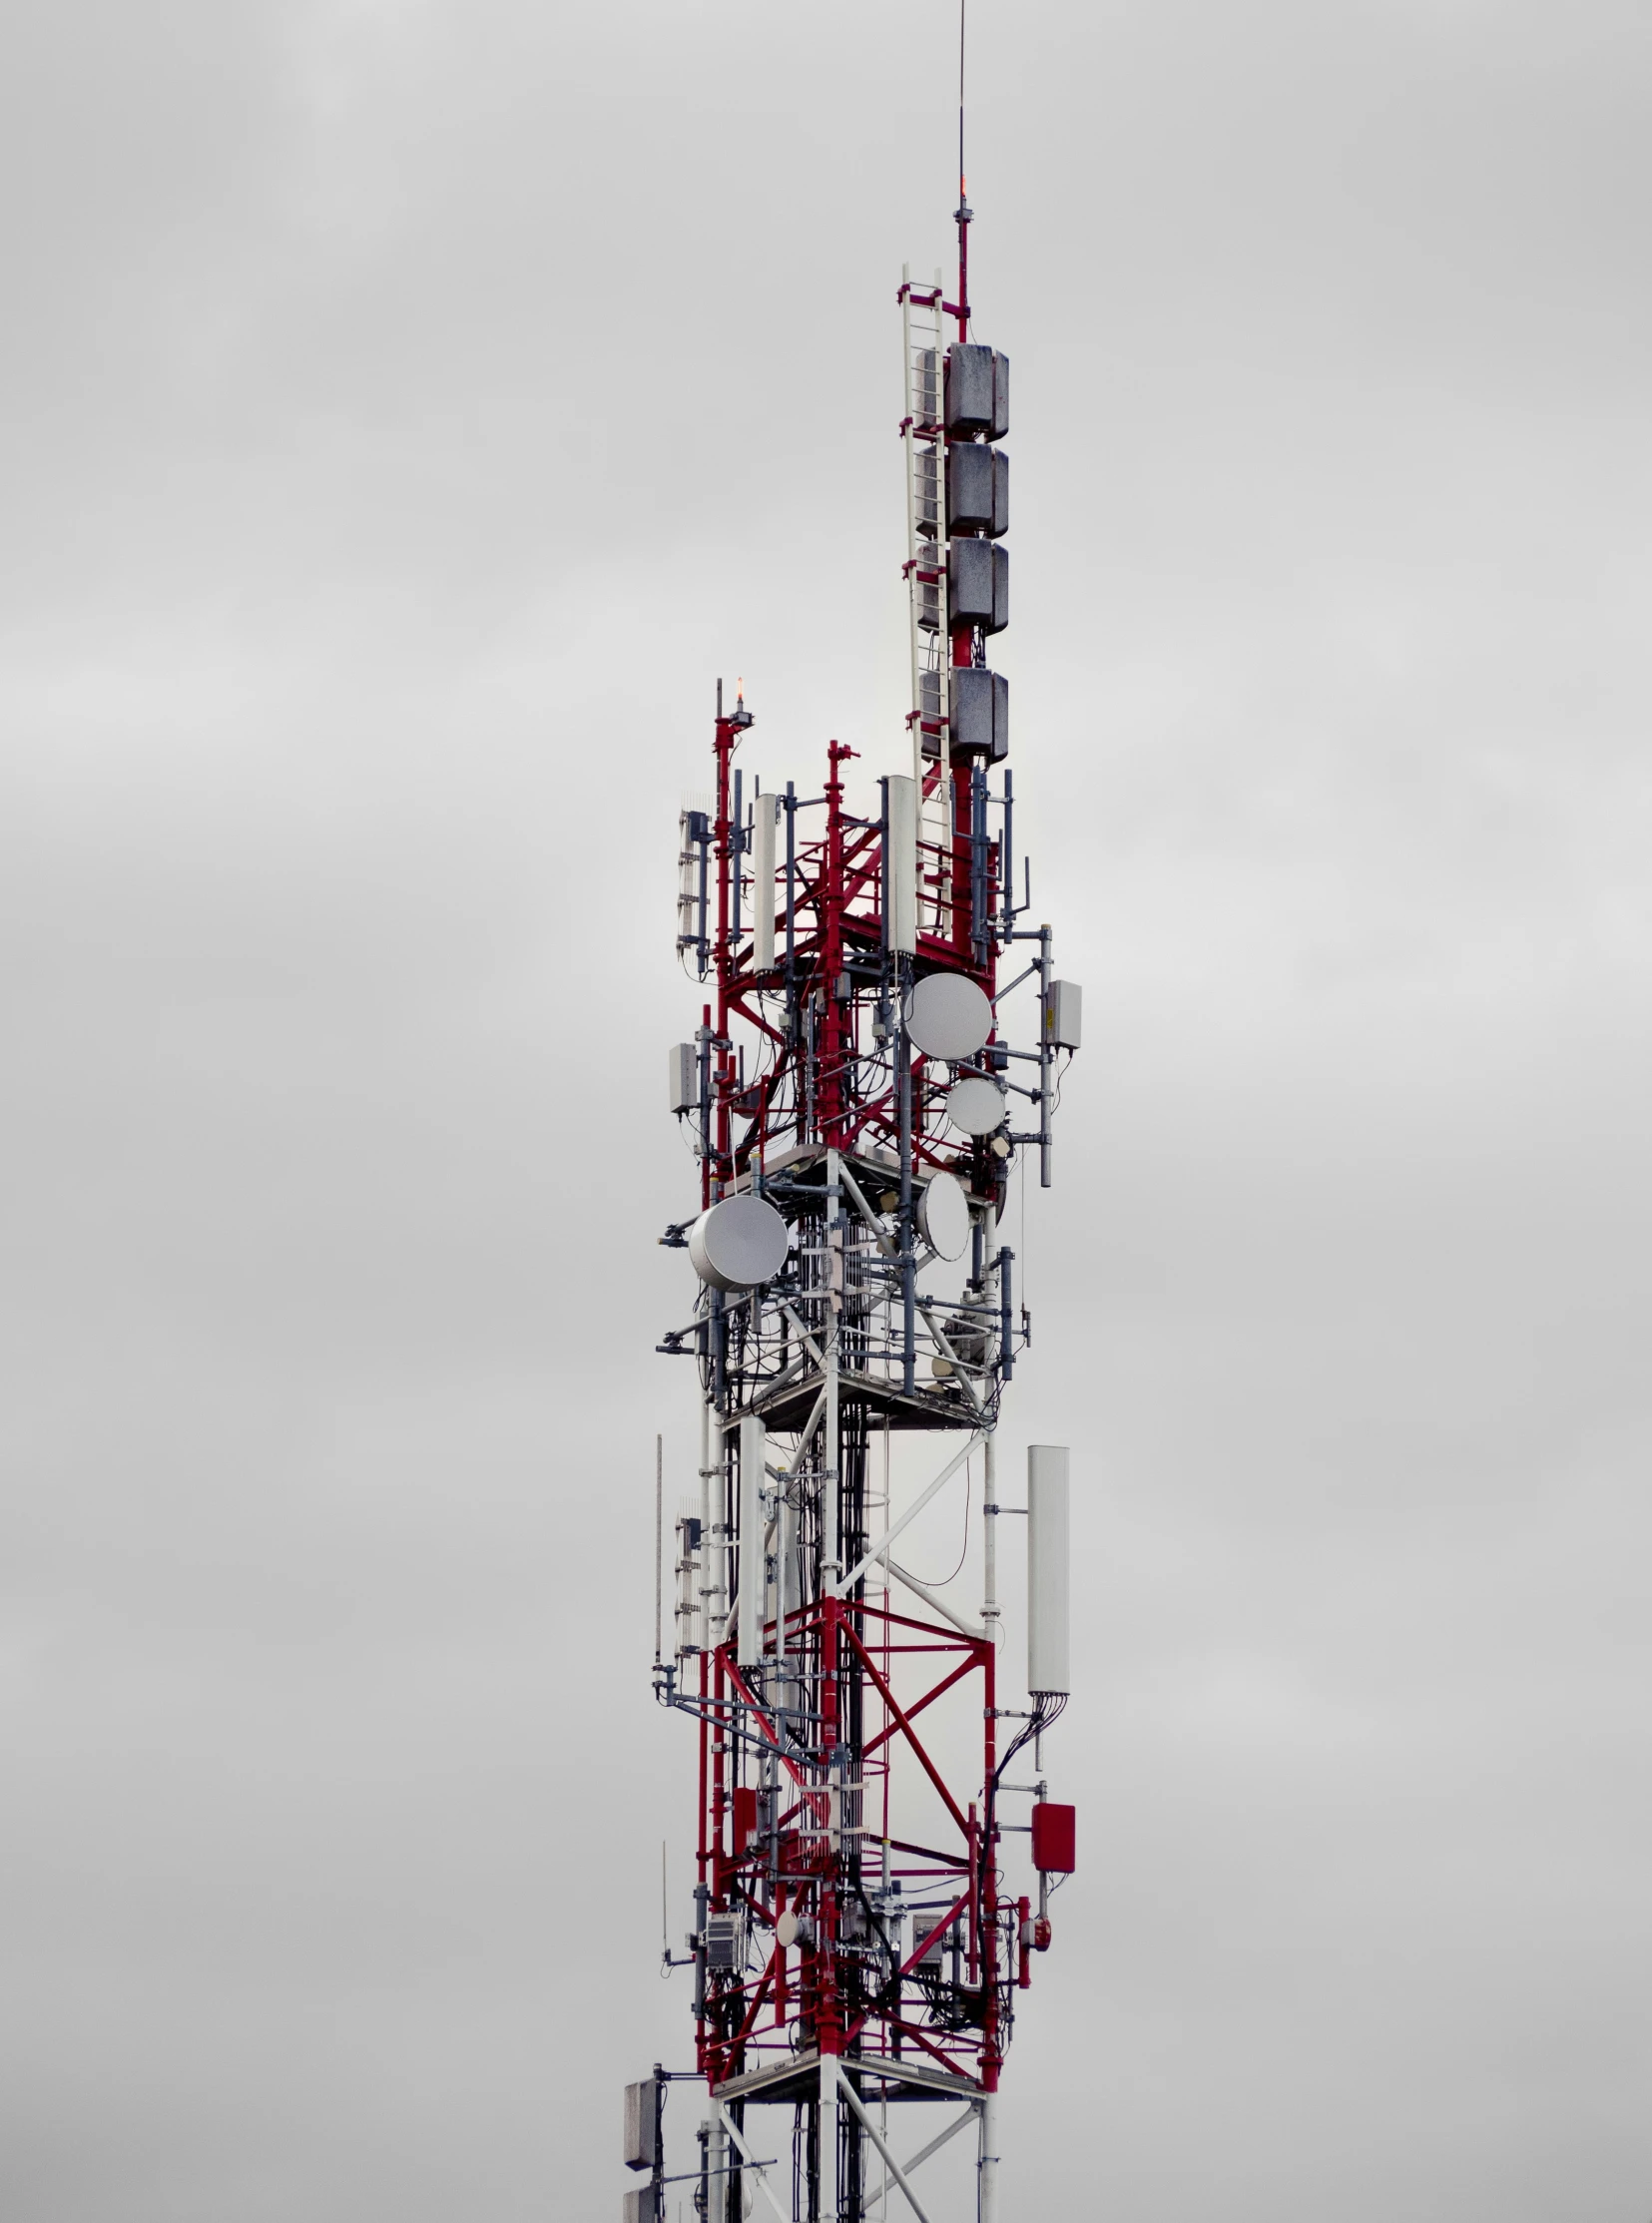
409, 409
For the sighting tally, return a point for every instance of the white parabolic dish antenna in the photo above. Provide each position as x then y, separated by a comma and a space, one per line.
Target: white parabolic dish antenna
737, 1243
943, 1216
948, 1016
976, 1106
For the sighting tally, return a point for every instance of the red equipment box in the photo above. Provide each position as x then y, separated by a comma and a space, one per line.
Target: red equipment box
1054, 1836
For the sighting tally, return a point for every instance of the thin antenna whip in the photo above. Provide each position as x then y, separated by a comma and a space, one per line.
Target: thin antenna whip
962, 4
659, 1535
963, 195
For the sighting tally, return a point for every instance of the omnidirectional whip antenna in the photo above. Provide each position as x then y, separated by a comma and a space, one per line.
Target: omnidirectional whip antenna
963, 210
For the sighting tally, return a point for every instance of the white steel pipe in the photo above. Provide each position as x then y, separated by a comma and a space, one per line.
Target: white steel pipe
959, 2122
989, 1548
830, 1559
879, 1551
717, 2163
829, 2138
937, 1605
708, 1578
989, 2158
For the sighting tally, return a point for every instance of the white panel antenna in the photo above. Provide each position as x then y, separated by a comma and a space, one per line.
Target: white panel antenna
765, 819
753, 1451
902, 875
1050, 1669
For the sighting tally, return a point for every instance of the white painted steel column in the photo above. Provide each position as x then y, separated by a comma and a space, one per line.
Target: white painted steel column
990, 1607
831, 1566
989, 2158
883, 2122
717, 2178
829, 2138
784, 1531
989, 1542
706, 1579
830, 1563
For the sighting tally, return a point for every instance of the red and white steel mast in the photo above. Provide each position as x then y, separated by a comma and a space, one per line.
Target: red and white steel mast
881, 1037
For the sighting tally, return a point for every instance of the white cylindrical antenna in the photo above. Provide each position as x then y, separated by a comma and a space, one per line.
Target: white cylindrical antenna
764, 817
901, 884
1048, 1668
753, 1451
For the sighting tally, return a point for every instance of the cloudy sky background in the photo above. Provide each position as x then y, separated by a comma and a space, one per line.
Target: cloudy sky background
408, 410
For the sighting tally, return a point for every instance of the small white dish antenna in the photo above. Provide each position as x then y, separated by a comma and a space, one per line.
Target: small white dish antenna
975, 1105
739, 1243
943, 1216
948, 1015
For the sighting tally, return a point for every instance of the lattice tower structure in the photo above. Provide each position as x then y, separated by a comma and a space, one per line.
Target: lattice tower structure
860, 1102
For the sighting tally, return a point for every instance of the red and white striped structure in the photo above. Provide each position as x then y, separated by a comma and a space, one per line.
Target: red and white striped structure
880, 1041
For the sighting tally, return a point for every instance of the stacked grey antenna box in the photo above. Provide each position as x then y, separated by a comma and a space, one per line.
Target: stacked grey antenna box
977, 569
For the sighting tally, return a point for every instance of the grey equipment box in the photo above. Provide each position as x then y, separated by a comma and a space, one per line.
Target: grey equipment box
642, 2123
1064, 1015
977, 390
981, 712
725, 1944
977, 584
977, 488
642, 2205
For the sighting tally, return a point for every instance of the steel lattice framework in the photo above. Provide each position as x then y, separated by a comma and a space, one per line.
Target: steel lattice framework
857, 1107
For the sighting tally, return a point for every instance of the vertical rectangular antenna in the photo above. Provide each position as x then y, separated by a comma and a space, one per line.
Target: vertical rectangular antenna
766, 818
737, 844
1008, 898
753, 1451
1048, 1667
900, 896
641, 2124
684, 1077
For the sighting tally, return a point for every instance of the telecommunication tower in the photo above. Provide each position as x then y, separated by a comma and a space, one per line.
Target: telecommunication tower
870, 1891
